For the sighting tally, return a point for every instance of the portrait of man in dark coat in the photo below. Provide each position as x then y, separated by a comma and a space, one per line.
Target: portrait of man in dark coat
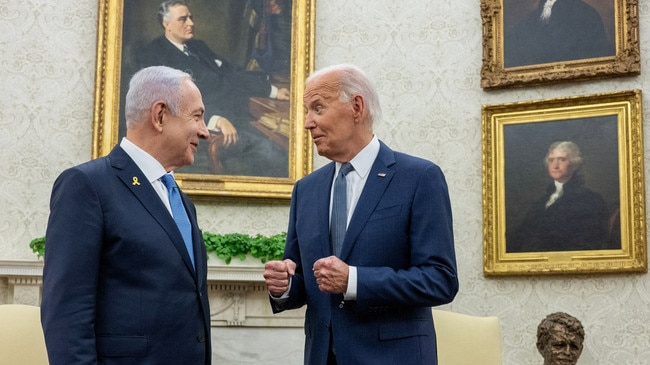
556, 31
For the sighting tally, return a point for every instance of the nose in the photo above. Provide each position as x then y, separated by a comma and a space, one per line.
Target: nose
309, 121
189, 21
203, 130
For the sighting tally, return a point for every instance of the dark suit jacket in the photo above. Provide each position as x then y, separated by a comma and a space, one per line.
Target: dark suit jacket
225, 89
578, 220
400, 239
574, 31
118, 285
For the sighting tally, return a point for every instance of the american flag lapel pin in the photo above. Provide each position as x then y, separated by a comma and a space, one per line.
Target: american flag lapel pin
381, 174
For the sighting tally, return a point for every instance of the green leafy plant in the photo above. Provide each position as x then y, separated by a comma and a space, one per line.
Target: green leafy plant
225, 246
229, 245
38, 246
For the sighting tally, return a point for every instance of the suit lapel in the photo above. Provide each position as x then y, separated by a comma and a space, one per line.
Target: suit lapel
136, 181
199, 56
324, 190
379, 178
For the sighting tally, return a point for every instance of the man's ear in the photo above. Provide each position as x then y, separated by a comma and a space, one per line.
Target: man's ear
158, 113
358, 106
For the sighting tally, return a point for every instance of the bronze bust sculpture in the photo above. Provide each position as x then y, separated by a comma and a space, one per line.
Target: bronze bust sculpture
560, 339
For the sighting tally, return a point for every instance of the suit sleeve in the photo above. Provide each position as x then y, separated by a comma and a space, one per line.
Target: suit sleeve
74, 240
297, 294
427, 276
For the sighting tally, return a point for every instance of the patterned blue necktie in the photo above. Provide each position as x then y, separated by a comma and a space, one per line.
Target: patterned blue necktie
179, 213
339, 219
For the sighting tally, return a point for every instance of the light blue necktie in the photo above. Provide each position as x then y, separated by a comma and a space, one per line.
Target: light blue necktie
179, 213
339, 217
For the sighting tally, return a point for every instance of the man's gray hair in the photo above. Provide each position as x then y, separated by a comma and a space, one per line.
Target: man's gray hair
163, 10
150, 85
354, 82
572, 150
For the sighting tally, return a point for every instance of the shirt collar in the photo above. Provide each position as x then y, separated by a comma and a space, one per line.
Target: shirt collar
151, 168
177, 45
363, 161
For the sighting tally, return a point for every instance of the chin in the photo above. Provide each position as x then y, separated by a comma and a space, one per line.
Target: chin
189, 161
322, 151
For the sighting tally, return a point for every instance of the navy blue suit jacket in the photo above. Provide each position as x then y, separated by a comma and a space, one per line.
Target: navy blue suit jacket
400, 238
118, 284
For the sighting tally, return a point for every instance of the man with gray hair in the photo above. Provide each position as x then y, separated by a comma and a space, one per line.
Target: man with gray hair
226, 91
370, 244
125, 273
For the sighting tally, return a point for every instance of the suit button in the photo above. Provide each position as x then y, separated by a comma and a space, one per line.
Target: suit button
200, 338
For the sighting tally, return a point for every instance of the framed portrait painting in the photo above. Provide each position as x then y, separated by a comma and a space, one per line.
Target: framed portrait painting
249, 59
546, 41
563, 186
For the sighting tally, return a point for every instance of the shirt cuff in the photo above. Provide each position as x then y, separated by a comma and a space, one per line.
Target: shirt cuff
212, 124
274, 92
282, 298
351, 293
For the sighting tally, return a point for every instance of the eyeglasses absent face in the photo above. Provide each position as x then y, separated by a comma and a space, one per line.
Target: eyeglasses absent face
559, 165
179, 24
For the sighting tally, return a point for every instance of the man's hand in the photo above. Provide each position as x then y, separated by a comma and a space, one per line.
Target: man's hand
283, 94
331, 275
229, 131
277, 275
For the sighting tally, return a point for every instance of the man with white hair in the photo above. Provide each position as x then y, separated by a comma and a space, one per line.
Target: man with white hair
569, 216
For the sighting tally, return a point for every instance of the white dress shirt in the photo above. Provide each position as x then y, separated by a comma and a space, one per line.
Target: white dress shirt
151, 168
355, 181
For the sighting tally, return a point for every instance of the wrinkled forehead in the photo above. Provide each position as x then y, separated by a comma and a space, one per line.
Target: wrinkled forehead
325, 86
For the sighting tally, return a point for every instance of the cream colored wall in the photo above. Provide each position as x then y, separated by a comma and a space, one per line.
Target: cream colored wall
425, 57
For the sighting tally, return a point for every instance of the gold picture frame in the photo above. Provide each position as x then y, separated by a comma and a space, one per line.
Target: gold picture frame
520, 235
119, 35
514, 54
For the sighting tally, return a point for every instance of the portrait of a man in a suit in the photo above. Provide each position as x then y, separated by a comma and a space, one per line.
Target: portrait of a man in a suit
569, 215
237, 53
560, 192
548, 31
